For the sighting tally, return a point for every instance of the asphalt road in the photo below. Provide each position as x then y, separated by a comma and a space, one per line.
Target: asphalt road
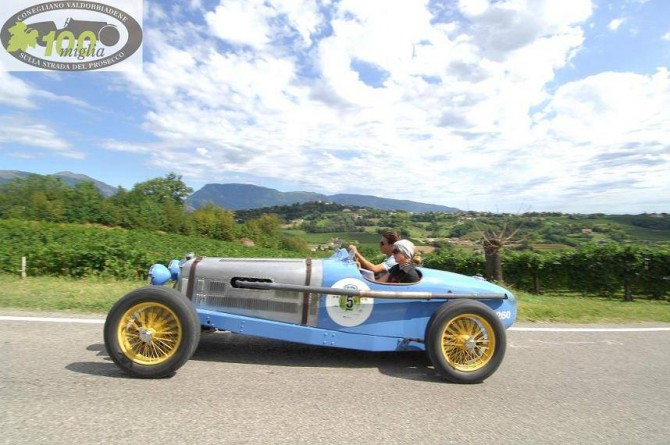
58, 386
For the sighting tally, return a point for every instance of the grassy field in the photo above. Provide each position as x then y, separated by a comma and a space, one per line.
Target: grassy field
96, 296
362, 238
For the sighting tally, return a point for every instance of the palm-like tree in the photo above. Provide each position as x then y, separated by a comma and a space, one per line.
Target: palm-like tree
493, 242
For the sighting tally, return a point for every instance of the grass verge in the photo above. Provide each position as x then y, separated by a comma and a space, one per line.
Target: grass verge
89, 295
590, 309
94, 295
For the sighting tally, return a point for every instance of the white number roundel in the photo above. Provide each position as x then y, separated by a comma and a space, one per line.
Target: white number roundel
349, 311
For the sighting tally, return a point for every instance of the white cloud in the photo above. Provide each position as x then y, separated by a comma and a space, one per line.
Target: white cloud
666, 36
257, 24
127, 147
302, 16
15, 92
607, 134
611, 109
24, 132
467, 107
615, 24
500, 28
241, 23
473, 8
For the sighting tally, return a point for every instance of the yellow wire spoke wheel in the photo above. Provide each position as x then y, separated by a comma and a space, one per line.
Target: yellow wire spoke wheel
468, 343
465, 341
149, 333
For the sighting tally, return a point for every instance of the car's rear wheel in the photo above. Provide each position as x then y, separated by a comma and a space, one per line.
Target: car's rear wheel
465, 341
109, 35
151, 332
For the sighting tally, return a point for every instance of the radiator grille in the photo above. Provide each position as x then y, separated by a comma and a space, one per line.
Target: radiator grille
217, 287
254, 300
254, 304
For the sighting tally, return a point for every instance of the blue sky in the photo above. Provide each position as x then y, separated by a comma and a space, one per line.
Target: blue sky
503, 106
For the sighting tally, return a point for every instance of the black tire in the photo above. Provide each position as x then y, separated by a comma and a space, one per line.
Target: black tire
151, 332
465, 341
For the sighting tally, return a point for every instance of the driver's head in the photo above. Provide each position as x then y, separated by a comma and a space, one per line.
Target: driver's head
386, 243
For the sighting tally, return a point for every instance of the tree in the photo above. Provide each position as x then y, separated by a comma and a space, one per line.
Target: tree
164, 190
493, 242
264, 230
214, 222
35, 197
84, 204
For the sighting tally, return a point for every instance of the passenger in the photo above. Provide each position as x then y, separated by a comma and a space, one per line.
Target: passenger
405, 269
386, 246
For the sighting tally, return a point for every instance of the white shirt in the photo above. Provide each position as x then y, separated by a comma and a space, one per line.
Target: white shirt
389, 263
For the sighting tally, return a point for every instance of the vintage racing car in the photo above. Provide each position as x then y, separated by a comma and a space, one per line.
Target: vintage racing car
459, 321
105, 33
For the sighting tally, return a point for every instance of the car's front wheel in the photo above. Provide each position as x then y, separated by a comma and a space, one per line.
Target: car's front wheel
465, 341
151, 332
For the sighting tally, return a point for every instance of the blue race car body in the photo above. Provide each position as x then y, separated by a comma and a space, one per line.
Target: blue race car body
346, 321
459, 320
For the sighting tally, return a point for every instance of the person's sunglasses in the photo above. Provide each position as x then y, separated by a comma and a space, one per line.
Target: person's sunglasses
382, 243
394, 251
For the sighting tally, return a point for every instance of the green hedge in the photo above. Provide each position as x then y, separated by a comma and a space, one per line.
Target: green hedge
456, 261
600, 269
80, 250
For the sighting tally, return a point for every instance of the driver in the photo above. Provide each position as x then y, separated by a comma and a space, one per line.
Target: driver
386, 246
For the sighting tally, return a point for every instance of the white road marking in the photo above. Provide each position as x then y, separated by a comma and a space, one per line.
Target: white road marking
525, 329
513, 328
53, 319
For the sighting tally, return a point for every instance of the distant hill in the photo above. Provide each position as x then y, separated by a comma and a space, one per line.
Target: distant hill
245, 197
248, 197
389, 204
68, 178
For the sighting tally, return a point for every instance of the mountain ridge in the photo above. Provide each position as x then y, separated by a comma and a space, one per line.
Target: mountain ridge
236, 196
68, 178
